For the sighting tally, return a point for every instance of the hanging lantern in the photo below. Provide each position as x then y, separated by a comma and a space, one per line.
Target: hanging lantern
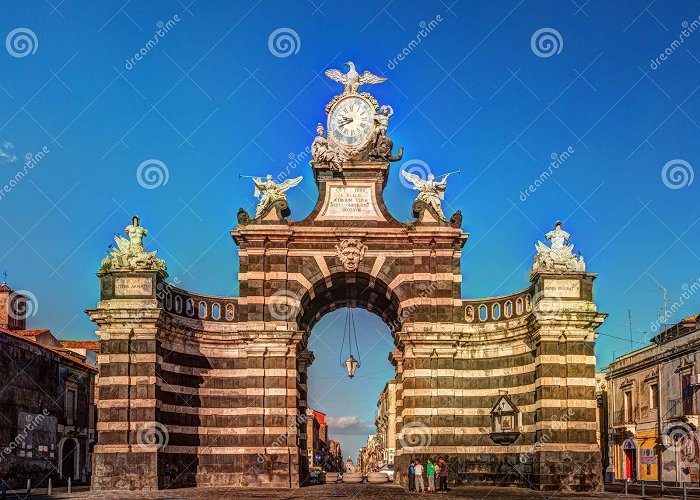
351, 364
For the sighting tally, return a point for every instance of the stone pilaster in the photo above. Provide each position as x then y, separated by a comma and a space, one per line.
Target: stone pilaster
130, 434
563, 336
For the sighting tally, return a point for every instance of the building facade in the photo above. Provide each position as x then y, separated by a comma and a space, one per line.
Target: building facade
653, 409
47, 403
386, 422
188, 366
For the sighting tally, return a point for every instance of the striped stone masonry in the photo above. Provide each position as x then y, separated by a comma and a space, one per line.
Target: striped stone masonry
204, 390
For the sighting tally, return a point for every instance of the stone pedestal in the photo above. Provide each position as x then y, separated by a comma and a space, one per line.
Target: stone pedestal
129, 431
563, 336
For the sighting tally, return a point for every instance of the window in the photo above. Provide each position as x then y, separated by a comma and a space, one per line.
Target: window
70, 406
653, 396
628, 407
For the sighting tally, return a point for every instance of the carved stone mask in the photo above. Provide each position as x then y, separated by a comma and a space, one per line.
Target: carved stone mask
350, 253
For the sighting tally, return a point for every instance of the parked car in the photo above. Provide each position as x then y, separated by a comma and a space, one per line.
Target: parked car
389, 470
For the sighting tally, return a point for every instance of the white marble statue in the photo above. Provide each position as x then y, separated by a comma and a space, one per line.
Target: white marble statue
130, 253
352, 79
323, 152
560, 255
430, 191
269, 191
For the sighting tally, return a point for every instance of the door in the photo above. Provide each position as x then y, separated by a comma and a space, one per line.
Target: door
68, 460
630, 464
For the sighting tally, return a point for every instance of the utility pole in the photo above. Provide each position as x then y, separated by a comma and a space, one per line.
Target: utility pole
665, 317
629, 317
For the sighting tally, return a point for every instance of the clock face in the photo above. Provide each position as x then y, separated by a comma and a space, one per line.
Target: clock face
351, 120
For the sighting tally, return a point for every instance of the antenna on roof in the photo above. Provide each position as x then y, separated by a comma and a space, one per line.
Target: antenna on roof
629, 318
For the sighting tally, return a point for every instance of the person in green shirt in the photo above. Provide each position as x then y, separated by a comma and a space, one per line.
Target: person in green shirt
430, 471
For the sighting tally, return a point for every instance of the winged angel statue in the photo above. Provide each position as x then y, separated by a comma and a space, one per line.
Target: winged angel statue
430, 191
352, 79
130, 253
269, 191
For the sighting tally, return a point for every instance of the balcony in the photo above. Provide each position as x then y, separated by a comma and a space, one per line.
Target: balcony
680, 407
622, 418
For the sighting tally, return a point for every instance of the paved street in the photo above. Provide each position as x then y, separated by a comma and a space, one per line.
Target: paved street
333, 491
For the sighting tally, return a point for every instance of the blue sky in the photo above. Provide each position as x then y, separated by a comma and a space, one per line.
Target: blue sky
211, 100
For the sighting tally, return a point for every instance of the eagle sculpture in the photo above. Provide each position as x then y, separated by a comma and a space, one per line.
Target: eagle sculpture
352, 79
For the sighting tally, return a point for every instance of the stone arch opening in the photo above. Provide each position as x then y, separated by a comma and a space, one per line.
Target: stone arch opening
356, 289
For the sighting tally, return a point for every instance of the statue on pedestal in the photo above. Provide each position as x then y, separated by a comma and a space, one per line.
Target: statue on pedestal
559, 256
430, 191
269, 192
130, 253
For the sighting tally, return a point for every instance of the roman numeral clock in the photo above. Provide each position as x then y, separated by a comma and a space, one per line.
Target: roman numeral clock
350, 121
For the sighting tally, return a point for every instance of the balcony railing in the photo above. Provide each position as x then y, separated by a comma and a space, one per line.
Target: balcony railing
621, 417
680, 407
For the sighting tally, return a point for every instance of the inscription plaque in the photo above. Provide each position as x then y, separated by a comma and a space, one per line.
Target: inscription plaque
562, 288
350, 202
133, 285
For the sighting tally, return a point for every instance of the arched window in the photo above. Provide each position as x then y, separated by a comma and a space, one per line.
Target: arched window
189, 307
169, 302
496, 311
469, 313
178, 304
202, 310
519, 306
229, 312
528, 302
483, 313
508, 309
216, 311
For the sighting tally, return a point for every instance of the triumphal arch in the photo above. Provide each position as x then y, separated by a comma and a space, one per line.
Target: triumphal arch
203, 390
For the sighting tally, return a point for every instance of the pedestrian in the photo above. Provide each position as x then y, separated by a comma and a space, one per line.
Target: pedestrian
418, 469
412, 476
430, 470
442, 474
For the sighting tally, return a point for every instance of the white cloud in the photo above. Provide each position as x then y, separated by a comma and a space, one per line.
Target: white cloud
5, 155
350, 424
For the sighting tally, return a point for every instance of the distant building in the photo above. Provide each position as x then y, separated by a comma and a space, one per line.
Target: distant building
313, 440
371, 457
334, 457
47, 402
653, 408
386, 422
